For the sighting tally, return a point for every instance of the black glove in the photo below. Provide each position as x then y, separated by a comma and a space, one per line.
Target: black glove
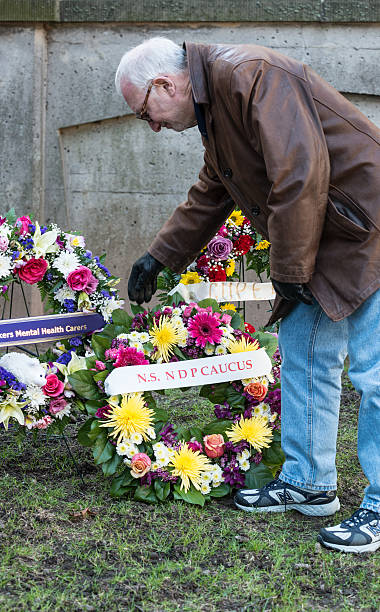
142, 282
293, 292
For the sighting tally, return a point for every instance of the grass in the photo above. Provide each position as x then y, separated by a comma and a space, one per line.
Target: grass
131, 556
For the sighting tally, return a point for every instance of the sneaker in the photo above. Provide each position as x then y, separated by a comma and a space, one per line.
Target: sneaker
278, 496
359, 533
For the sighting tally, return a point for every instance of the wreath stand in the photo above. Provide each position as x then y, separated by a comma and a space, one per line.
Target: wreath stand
61, 436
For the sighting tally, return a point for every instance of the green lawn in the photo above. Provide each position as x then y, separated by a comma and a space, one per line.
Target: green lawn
132, 556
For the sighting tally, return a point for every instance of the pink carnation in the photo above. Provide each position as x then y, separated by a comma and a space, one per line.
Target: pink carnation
129, 356
204, 327
195, 446
57, 404
82, 279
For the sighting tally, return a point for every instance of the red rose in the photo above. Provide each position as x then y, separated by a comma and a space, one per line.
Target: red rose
53, 386
217, 275
33, 271
249, 328
57, 404
82, 279
243, 244
257, 390
23, 225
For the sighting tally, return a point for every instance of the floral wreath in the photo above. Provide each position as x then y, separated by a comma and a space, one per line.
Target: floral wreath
131, 438
70, 279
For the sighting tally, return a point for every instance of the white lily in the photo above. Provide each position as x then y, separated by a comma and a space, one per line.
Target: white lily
9, 408
76, 363
44, 243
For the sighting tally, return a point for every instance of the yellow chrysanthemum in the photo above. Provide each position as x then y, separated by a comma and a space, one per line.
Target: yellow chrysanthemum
190, 278
230, 269
254, 430
242, 345
189, 466
132, 416
228, 306
236, 217
165, 336
263, 244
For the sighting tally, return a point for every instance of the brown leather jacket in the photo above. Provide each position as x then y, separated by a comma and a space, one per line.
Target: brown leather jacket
301, 162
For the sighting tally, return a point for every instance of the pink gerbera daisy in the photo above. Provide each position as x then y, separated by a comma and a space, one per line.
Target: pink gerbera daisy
129, 356
204, 327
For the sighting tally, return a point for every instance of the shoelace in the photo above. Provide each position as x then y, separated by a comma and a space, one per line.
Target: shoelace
272, 485
360, 517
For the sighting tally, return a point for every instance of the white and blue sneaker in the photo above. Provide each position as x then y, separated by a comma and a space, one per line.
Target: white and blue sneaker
278, 496
357, 534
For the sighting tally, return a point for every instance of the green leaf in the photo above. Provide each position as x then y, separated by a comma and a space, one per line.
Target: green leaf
191, 497
220, 491
120, 317
161, 489
234, 398
99, 344
11, 216
267, 341
103, 450
209, 302
101, 375
83, 384
110, 467
136, 309
177, 351
149, 400
93, 405
215, 393
237, 322
217, 427
111, 331
183, 433
95, 430
146, 494
83, 432
273, 456
257, 476
121, 484
161, 415
196, 433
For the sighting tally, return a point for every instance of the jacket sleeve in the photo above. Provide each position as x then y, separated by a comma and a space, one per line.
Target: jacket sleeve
285, 129
194, 222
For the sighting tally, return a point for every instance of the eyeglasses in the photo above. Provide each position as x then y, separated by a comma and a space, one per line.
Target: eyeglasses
143, 114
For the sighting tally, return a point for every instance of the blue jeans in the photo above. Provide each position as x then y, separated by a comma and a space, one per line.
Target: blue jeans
313, 349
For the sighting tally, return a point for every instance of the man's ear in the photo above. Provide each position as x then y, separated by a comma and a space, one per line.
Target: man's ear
167, 83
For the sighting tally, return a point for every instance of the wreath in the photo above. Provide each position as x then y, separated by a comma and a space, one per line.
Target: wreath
70, 279
131, 438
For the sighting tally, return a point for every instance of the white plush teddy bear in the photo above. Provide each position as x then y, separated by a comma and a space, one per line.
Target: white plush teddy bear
27, 370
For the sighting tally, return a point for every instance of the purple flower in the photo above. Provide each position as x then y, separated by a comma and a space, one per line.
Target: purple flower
69, 305
223, 412
64, 358
168, 435
76, 341
219, 247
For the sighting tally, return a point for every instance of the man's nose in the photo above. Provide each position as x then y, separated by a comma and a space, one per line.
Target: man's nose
155, 126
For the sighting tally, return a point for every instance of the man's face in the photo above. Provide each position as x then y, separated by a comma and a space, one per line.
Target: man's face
166, 106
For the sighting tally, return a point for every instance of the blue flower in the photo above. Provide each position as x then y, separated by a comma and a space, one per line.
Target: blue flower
69, 305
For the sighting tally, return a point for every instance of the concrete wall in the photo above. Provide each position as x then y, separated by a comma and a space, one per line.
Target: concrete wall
71, 152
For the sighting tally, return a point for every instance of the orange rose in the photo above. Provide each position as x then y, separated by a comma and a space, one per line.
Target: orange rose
214, 445
257, 390
140, 465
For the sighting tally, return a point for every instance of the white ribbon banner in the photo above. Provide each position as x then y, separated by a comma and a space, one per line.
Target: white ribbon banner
193, 372
225, 292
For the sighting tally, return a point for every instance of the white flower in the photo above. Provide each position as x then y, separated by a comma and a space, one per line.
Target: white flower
122, 448
247, 381
64, 412
109, 306
122, 337
176, 312
163, 461
75, 241
220, 350
151, 433
206, 477
273, 417
136, 438
134, 335
136, 345
5, 230
35, 396
5, 265
225, 340
158, 446
154, 466
205, 488
64, 293
44, 243
144, 337
216, 483
66, 262
209, 349
244, 465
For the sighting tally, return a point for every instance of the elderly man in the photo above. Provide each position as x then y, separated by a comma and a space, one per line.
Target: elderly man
303, 164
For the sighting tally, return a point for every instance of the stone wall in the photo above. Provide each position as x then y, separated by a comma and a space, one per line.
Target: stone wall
70, 150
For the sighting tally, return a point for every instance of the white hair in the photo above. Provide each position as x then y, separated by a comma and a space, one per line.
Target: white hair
156, 56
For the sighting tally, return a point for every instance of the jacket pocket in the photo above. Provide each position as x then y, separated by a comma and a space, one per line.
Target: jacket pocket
344, 213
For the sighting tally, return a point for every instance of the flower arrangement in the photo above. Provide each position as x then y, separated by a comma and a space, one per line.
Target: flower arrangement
70, 278
41, 397
131, 438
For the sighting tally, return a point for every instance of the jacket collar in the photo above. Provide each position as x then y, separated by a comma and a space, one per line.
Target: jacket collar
197, 62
